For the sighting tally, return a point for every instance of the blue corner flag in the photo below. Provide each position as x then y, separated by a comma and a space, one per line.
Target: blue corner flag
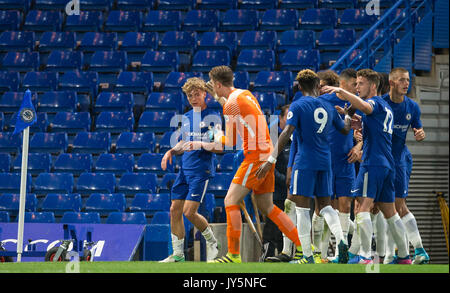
27, 115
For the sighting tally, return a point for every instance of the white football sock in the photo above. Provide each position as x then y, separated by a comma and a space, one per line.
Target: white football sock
344, 219
390, 247
380, 237
209, 235
325, 240
331, 217
412, 230
289, 209
177, 245
365, 232
399, 234
351, 227
317, 227
304, 229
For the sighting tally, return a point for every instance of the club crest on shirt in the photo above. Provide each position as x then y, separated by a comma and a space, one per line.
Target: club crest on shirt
408, 116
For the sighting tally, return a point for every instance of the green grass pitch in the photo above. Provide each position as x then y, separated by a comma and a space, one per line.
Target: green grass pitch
202, 267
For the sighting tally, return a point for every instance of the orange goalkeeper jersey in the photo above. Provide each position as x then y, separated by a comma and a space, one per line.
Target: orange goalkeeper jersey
243, 115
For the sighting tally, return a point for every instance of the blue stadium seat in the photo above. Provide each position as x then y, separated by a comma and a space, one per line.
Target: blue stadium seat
9, 81
139, 42
161, 217
126, 218
339, 4
356, 19
168, 140
176, 4
111, 101
298, 4
50, 4
160, 61
79, 81
73, 163
9, 202
218, 41
5, 163
135, 4
10, 19
180, 41
257, 4
175, 80
134, 82
123, 20
39, 217
162, 101
357, 58
258, 40
58, 203
150, 203
43, 20
135, 142
114, 163
297, 39
219, 184
17, 41
71, 122
267, 101
109, 61
205, 60
11, 101
336, 39
253, 60
217, 4
299, 59
2, 118
241, 79
279, 20
40, 81
10, 143
22, 5
104, 5
86, 21
162, 21
166, 183
57, 41
93, 41
104, 203
57, 101
21, 61
4, 216
80, 218
96, 182
131, 183
319, 19
91, 142
54, 183
157, 122
239, 20
274, 81
226, 163
48, 142
62, 61
200, 21
114, 122
41, 124
151, 163
37, 163
10, 182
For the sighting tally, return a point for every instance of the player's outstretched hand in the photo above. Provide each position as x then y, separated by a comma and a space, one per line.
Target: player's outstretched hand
192, 146
262, 170
167, 157
354, 155
356, 122
330, 89
210, 89
419, 134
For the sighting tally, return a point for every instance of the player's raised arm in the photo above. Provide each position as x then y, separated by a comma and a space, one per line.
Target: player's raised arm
356, 101
279, 147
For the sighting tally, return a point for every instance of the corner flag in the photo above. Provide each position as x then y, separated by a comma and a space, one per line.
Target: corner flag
26, 115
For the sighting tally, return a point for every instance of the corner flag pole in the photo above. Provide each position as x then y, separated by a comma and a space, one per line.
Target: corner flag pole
24, 119
23, 192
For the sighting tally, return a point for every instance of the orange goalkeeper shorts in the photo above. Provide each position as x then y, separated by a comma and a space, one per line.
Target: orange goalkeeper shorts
246, 177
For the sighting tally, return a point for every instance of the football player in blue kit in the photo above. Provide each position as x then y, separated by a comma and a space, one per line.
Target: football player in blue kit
375, 180
311, 173
406, 115
197, 167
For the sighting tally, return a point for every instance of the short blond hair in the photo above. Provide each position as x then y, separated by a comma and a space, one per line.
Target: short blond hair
193, 83
395, 71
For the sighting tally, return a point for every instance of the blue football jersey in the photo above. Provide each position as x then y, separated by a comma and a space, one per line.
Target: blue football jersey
312, 120
406, 114
195, 127
340, 144
377, 134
